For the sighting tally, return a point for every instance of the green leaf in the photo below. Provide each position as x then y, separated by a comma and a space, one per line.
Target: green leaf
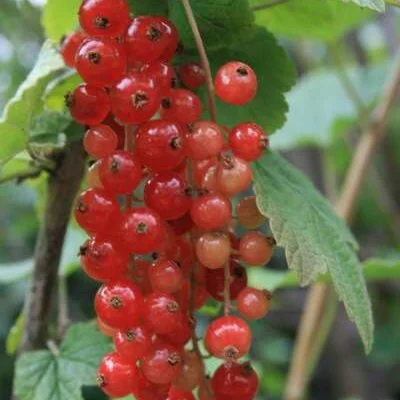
140, 7
275, 73
297, 18
315, 239
377, 5
221, 22
15, 335
50, 375
314, 125
15, 122
59, 18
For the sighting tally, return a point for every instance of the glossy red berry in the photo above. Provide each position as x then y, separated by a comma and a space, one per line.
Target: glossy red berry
165, 276
88, 105
160, 145
215, 281
168, 194
200, 295
116, 375
100, 141
95, 211
138, 272
200, 170
228, 338
92, 177
235, 381
69, 47
162, 364
253, 303
192, 75
162, 313
182, 334
148, 38
248, 141
181, 105
162, 73
173, 40
135, 98
103, 260
179, 394
119, 304
192, 371
133, 343
104, 18
101, 61
120, 172
256, 248
204, 140
213, 249
104, 328
236, 83
182, 225
211, 211
141, 230
248, 214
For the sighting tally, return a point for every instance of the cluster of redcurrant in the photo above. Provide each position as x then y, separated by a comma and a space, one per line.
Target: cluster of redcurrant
158, 209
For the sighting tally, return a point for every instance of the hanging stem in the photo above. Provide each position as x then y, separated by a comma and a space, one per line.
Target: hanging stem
205, 63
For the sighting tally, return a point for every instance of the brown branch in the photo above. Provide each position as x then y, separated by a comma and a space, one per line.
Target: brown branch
316, 299
62, 187
205, 63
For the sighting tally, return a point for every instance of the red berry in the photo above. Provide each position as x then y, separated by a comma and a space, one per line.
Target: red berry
192, 371
95, 210
213, 249
168, 194
101, 61
253, 303
104, 328
162, 73
192, 75
181, 105
141, 230
118, 128
182, 225
160, 145
103, 260
116, 375
88, 105
228, 337
162, 313
133, 343
165, 276
248, 214
135, 98
139, 274
92, 177
235, 381
215, 281
162, 364
200, 295
248, 141
173, 40
178, 394
256, 248
211, 211
204, 140
120, 173
69, 47
119, 304
145, 390
200, 170
236, 83
182, 334
148, 38
102, 17
100, 141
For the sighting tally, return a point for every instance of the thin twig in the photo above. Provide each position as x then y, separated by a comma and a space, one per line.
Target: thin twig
205, 63
316, 299
268, 4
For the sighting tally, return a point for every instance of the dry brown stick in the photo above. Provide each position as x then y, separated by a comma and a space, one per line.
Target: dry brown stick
297, 379
62, 187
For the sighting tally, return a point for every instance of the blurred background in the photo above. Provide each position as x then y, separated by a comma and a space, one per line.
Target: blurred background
340, 82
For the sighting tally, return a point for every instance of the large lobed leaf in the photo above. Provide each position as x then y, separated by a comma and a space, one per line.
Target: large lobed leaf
45, 375
315, 239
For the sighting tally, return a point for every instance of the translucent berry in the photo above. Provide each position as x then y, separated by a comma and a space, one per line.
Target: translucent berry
104, 328
120, 172
100, 141
141, 230
204, 140
101, 61
192, 371
248, 214
119, 304
160, 145
200, 295
133, 343
69, 47
253, 303
88, 105
182, 225
102, 18
93, 177
179, 394
211, 211
213, 249
236, 83
200, 169
192, 75
228, 338
162, 73
165, 276
181, 105
255, 248
116, 375
95, 210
